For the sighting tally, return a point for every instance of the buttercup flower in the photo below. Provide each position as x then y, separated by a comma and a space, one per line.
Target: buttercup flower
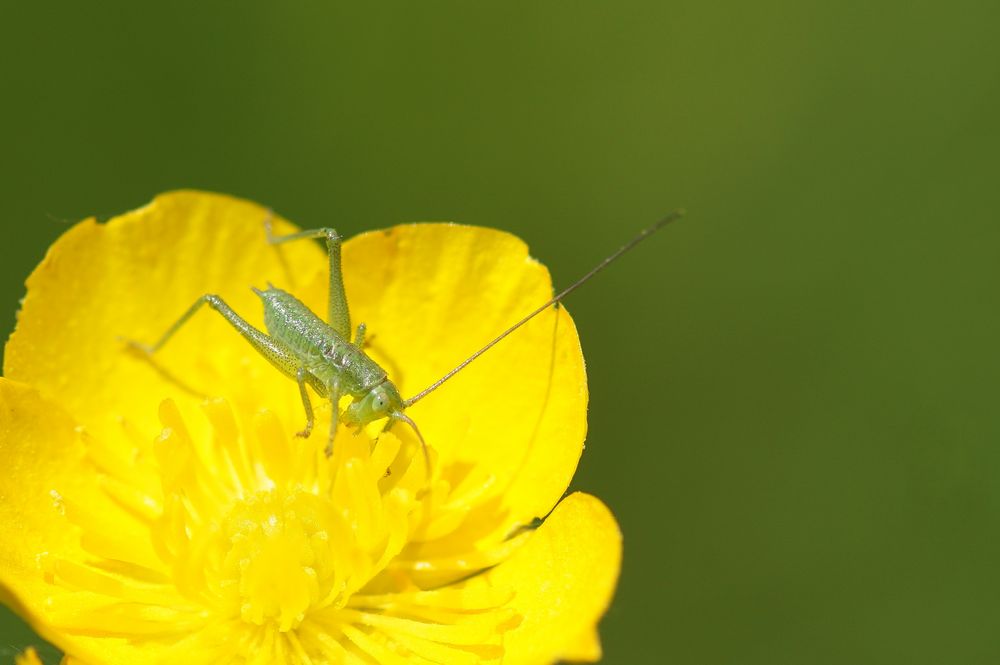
162, 511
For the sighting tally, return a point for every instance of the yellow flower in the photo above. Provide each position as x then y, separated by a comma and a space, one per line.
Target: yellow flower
143, 523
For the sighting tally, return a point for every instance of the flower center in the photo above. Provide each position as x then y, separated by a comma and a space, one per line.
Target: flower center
277, 557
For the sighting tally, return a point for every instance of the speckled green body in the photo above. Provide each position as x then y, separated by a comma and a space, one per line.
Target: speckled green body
336, 363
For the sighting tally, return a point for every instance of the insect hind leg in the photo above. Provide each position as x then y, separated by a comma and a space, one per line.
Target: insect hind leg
338, 313
273, 350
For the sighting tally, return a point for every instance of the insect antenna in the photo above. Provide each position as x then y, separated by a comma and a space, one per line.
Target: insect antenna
399, 415
639, 237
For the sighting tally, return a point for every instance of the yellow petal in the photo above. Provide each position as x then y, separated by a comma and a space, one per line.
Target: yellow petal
584, 649
564, 578
431, 295
41, 450
131, 278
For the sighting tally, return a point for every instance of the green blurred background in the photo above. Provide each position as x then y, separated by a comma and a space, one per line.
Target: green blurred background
794, 391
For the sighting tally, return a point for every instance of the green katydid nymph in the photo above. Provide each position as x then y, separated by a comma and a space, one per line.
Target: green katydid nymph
325, 356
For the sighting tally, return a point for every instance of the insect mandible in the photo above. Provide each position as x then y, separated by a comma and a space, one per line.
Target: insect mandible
325, 356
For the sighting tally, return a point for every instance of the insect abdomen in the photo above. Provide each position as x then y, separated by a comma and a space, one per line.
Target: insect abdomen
320, 349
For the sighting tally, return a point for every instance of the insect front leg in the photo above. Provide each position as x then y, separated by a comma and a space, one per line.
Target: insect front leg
338, 314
